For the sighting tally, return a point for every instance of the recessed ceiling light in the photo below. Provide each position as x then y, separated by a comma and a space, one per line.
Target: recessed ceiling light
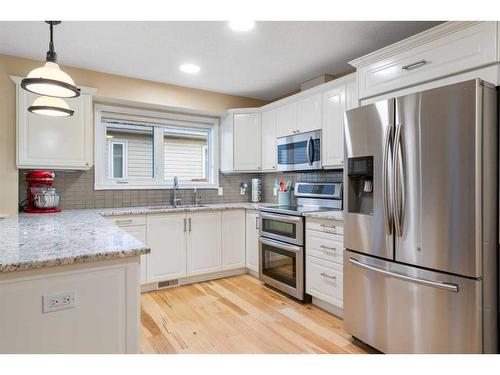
241, 25
189, 68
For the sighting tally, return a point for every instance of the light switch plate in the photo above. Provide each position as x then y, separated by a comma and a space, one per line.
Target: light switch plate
220, 192
59, 301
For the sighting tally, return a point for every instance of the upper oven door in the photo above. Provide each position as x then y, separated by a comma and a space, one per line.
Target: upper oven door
282, 227
299, 152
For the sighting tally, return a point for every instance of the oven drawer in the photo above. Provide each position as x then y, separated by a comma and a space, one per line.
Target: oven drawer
326, 246
324, 280
327, 226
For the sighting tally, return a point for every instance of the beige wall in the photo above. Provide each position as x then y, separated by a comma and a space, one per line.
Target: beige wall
109, 86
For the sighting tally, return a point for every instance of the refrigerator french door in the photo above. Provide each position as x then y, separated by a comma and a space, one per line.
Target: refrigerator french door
420, 271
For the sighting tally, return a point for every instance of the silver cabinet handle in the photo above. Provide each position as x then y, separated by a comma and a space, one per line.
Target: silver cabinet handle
328, 276
414, 65
399, 186
328, 248
435, 284
385, 192
185, 225
189, 224
257, 226
125, 221
121, 182
327, 226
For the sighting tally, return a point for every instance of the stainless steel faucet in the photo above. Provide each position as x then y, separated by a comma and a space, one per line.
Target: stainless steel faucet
176, 200
197, 198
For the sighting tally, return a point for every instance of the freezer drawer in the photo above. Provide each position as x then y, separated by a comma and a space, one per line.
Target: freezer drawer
401, 309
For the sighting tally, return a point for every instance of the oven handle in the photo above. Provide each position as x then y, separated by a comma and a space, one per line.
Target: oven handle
285, 218
280, 245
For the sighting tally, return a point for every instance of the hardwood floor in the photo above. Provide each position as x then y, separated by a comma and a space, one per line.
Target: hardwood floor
238, 315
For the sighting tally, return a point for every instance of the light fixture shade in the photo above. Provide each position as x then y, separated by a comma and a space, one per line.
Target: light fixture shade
50, 106
50, 80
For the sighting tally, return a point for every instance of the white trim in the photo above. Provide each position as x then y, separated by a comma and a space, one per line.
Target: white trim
158, 121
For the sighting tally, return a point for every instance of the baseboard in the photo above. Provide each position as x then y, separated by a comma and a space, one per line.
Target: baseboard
332, 309
253, 273
198, 279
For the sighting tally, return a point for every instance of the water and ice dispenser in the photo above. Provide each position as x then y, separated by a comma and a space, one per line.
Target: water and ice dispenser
360, 185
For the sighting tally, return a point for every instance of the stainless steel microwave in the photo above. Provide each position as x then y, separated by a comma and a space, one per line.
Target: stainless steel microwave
299, 152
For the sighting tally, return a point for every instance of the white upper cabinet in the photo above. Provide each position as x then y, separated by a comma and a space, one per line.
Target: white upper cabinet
233, 239
286, 119
241, 141
204, 253
269, 140
247, 142
166, 236
444, 50
334, 106
309, 113
54, 142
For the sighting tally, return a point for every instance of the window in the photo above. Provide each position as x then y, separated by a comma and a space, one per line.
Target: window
146, 150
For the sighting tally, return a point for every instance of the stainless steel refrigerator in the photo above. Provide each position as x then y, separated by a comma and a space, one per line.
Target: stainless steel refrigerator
421, 233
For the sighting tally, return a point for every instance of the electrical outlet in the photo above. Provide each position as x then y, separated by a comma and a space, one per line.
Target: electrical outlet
60, 301
220, 192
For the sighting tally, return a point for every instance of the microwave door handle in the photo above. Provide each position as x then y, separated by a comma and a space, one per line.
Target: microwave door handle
310, 155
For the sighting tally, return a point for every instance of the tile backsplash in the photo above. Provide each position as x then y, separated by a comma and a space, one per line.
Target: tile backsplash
77, 189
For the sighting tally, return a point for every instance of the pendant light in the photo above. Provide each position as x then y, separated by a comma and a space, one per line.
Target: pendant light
50, 106
50, 80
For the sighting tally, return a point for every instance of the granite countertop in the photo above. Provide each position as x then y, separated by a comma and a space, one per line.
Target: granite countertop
31, 241
328, 215
187, 208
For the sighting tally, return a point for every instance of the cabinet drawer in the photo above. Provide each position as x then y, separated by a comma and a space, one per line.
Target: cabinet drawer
327, 226
326, 246
467, 48
324, 280
127, 220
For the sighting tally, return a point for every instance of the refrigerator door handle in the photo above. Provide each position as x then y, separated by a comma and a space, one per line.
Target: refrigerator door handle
388, 217
434, 284
399, 183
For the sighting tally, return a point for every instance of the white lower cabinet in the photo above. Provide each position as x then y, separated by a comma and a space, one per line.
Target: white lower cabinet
324, 280
135, 226
324, 261
166, 235
204, 243
252, 240
233, 239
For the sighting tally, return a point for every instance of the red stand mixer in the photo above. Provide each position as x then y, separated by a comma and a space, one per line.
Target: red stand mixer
42, 197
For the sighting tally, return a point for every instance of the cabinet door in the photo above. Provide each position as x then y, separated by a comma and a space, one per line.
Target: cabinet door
252, 240
286, 119
204, 253
324, 280
54, 142
309, 113
139, 232
351, 96
233, 239
333, 127
247, 142
166, 237
269, 140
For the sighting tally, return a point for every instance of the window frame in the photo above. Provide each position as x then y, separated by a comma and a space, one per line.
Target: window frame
124, 143
158, 120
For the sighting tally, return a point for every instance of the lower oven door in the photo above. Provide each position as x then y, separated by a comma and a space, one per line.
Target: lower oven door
281, 266
402, 309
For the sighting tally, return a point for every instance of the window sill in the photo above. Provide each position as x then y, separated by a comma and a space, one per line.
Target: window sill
155, 187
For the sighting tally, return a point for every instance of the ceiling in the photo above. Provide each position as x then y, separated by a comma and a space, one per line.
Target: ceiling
267, 62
